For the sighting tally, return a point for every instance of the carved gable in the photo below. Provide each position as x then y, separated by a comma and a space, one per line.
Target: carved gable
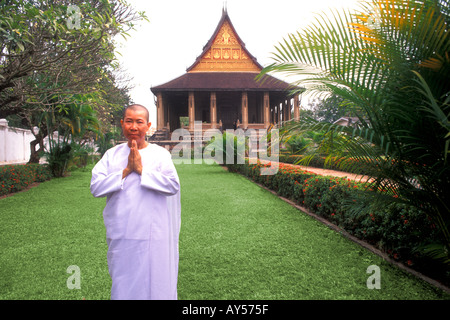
226, 53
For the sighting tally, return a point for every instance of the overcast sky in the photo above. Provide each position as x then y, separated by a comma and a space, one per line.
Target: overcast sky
163, 48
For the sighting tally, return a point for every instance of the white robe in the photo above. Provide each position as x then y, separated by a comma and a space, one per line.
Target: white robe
142, 218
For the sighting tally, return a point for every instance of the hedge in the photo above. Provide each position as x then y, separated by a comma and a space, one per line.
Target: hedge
399, 230
14, 178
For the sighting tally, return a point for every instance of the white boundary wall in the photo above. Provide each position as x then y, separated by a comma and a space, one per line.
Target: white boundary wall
14, 144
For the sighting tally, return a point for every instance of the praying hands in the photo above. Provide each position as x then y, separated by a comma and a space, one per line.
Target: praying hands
134, 161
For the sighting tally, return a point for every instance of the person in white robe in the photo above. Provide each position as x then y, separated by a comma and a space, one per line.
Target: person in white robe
142, 215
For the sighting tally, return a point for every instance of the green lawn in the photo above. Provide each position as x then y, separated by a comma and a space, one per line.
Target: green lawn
44, 231
238, 241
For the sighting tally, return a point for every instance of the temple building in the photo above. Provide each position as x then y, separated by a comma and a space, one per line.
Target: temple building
220, 90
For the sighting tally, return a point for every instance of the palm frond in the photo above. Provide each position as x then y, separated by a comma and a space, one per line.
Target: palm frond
390, 60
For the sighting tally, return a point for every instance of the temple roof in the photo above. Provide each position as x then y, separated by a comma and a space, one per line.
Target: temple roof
224, 65
222, 81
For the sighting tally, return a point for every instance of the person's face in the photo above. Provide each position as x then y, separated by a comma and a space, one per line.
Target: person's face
135, 126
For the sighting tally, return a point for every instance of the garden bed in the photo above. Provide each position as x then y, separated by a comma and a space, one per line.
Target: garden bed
14, 178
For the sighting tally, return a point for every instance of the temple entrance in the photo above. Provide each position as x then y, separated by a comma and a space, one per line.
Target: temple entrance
229, 116
229, 109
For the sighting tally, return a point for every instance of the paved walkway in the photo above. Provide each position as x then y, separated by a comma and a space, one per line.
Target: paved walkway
325, 172
335, 173
11, 163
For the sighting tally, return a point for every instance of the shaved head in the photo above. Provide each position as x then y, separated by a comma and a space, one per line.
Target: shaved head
136, 107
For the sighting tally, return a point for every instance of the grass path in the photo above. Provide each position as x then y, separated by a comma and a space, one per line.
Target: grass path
237, 241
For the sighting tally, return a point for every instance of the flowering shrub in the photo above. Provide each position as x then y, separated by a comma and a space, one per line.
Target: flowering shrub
14, 178
398, 229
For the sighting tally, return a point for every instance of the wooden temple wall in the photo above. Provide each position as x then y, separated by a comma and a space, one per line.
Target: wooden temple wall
223, 110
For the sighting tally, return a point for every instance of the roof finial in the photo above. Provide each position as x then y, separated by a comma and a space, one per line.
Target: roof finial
225, 6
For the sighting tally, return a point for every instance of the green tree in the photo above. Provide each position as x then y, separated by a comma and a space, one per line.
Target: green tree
330, 109
39, 42
53, 52
390, 60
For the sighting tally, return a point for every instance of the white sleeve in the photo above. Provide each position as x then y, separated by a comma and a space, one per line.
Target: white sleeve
103, 183
164, 179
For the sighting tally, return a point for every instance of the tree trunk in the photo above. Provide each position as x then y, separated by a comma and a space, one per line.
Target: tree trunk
39, 140
34, 156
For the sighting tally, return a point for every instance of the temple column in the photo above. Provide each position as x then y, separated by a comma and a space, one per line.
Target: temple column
213, 110
272, 115
288, 108
266, 110
159, 111
244, 108
279, 113
296, 108
191, 111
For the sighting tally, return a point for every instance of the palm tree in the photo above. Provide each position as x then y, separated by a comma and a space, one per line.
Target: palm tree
389, 60
79, 120
73, 123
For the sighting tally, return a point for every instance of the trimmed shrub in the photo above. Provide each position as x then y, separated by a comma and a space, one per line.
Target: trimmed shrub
399, 230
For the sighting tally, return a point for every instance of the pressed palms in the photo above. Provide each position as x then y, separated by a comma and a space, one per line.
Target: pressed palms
390, 61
